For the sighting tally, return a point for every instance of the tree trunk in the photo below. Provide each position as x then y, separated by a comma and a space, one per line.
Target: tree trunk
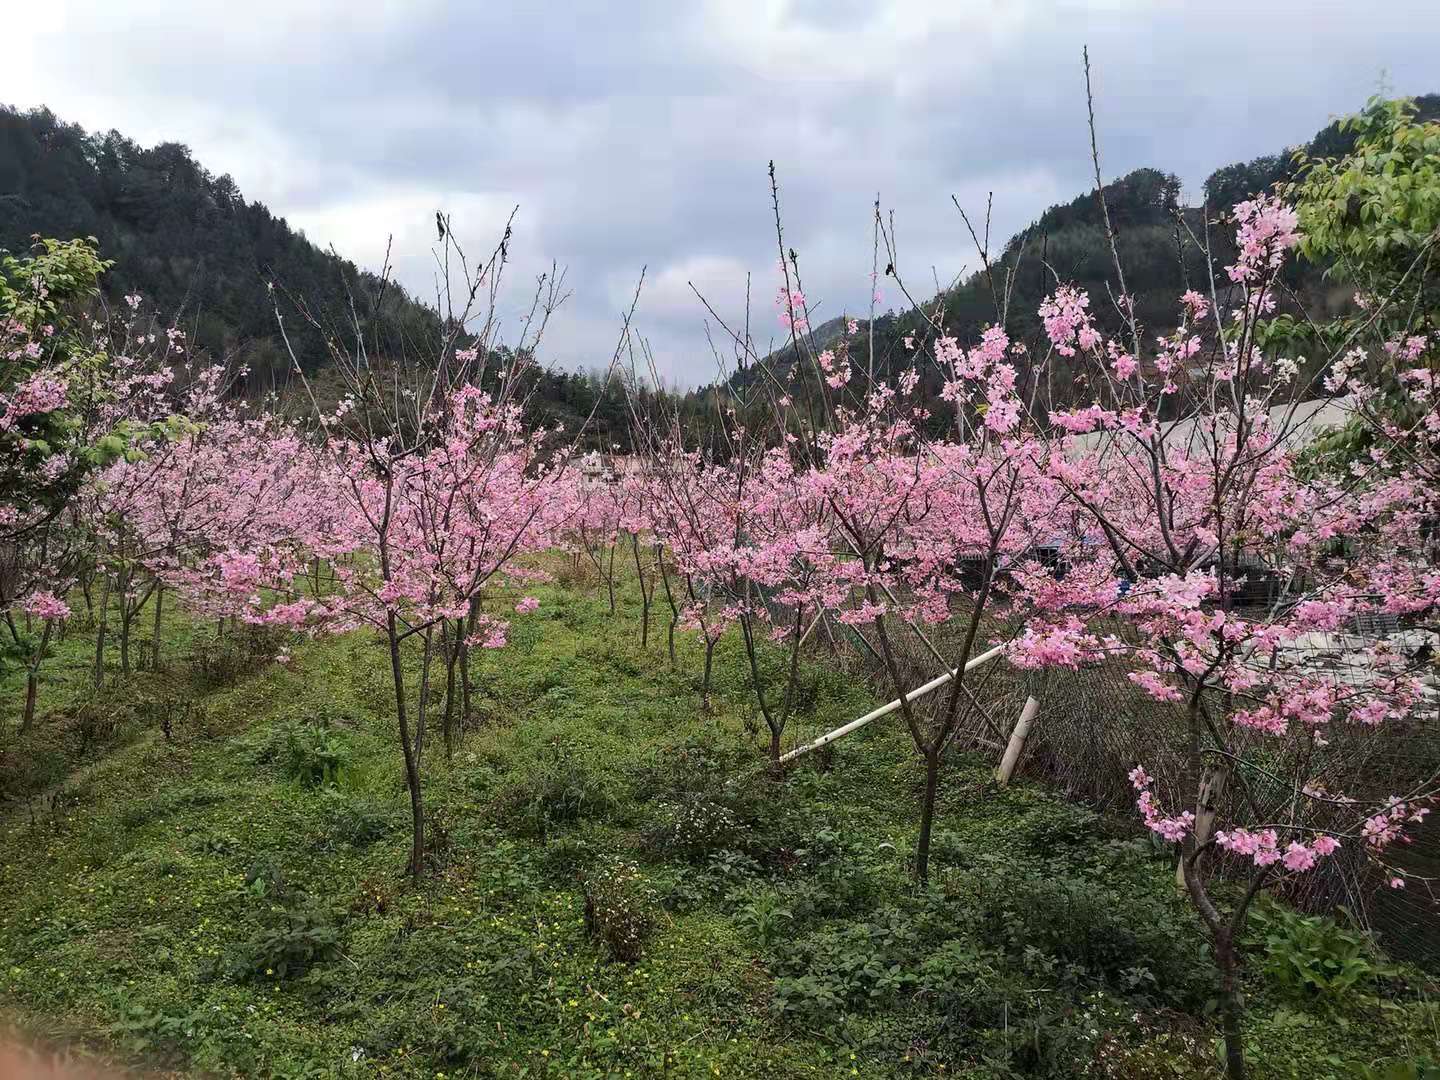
32, 690
644, 594
1223, 935
422, 710
32, 678
466, 708
669, 599
705, 682
927, 816
155, 647
610, 579
449, 643
1230, 1005
1213, 781
412, 766
126, 616
100, 632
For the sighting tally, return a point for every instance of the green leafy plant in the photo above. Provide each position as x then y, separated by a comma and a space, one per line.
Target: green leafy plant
765, 917
300, 934
143, 1029
1422, 1068
808, 998
314, 754
1315, 959
559, 789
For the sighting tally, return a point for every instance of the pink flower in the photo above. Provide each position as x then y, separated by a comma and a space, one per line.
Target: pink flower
46, 605
527, 605
1267, 229
1298, 857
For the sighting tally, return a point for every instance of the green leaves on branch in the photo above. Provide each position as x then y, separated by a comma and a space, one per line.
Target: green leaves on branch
1377, 209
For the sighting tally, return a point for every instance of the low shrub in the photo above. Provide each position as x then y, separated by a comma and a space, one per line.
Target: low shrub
619, 908
314, 754
1131, 942
242, 650
355, 821
295, 935
693, 829
289, 930
558, 789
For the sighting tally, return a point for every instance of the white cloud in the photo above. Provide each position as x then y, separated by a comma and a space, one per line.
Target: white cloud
639, 134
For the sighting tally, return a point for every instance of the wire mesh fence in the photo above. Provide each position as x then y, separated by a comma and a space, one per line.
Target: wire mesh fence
1095, 725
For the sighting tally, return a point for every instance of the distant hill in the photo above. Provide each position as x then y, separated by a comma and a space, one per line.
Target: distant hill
191, 243
187, 240
1160, 258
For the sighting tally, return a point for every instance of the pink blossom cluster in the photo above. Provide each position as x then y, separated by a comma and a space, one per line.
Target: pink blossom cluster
1173, 828
1263, 847
44, 604
1267, 230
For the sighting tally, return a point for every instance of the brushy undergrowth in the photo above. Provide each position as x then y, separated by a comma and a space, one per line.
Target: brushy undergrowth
618, 889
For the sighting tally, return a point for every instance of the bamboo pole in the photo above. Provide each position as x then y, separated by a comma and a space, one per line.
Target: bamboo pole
885, 710
1017, 742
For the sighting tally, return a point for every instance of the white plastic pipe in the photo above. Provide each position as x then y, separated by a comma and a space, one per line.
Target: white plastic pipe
1017, 742
885, 710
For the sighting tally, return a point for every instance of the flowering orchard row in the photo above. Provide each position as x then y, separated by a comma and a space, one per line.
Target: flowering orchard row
1121, 529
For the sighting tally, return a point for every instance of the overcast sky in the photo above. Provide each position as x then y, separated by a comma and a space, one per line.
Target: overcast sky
635, 133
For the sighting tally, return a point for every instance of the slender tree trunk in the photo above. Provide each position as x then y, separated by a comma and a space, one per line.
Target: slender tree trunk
100, 632
32, 690
709, 665
670, 600
155, 647
127, 615
1224, 933
644, 594
422, 710
1213, 781
1230, 1008
927, 816
466, 706
412, 765
747, 635
450, 645
32, 678
610, 579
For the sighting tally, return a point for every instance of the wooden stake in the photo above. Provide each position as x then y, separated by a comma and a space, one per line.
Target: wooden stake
1017, 742
885, 710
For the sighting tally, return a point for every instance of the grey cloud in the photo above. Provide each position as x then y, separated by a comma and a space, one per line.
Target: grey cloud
639, 133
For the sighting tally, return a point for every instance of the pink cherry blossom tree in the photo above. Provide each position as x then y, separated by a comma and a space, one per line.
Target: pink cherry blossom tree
435, 489
1228, 557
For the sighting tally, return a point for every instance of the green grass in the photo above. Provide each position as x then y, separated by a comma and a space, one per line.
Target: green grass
197, 903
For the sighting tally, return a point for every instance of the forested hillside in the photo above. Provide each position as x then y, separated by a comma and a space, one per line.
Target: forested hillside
190, 242
1160, 243
187, 240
